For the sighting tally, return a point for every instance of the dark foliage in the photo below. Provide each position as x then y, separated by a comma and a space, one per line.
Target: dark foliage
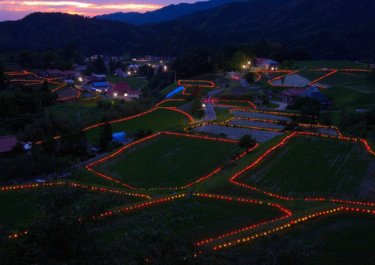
297, 29
247, 141
105, 136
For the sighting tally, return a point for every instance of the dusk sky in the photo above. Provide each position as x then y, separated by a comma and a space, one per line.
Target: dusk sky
16, 9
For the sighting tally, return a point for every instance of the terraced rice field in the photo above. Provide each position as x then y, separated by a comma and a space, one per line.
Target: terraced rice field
256, 115
237, 133
259, 124
313, 167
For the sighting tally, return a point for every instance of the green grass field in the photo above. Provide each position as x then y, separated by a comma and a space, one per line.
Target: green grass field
169, 88
196, 218
84, 113
345, 78
173, 103
344, 240
20, 208
350, 90
344, 97
168, 161
335, 240
158, 120
312, 166
311, 75
222, 114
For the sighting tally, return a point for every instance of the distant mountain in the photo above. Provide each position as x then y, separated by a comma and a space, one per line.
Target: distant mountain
167, 13
41, 31
328, 29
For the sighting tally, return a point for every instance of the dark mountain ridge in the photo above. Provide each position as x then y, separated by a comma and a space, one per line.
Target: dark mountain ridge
167, 13
328, 29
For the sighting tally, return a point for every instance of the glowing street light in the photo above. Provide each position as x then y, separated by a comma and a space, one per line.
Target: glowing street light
115, 95
125, 94
203, 105
165, 68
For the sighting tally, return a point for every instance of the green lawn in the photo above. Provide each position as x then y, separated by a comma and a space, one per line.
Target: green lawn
195, 218
222, 114
158, 120
334, 240
312, 166
345, 78
169, 88
344, 97
173, 103
344, 240
83, 113
311, 75
168, 161
20, 208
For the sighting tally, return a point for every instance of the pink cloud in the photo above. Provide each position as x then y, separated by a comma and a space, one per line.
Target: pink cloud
15, 9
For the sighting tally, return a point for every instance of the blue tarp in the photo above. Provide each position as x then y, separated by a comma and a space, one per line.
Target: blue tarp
175, 91
119, 137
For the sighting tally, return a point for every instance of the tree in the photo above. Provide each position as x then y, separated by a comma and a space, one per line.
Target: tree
105, 136
249, 77
141, 134
196, 108
372, 75
74, 144
57, 237
97, 66
247, 141
238, 59
2, 77
307, 106
194, 61
146, 71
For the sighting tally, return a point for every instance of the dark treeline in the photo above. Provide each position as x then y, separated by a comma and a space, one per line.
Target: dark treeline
346, 33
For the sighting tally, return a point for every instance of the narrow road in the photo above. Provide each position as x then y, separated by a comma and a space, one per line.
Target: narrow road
209, 109
210, 112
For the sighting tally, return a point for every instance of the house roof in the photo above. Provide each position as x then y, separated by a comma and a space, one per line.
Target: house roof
263, 61
100, 84
314, 93
7, 143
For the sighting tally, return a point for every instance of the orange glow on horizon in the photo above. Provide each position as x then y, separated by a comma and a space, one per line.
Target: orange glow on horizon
18, 9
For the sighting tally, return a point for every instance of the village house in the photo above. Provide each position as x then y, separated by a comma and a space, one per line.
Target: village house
291, 95
267, 64
124, 91
101, 86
